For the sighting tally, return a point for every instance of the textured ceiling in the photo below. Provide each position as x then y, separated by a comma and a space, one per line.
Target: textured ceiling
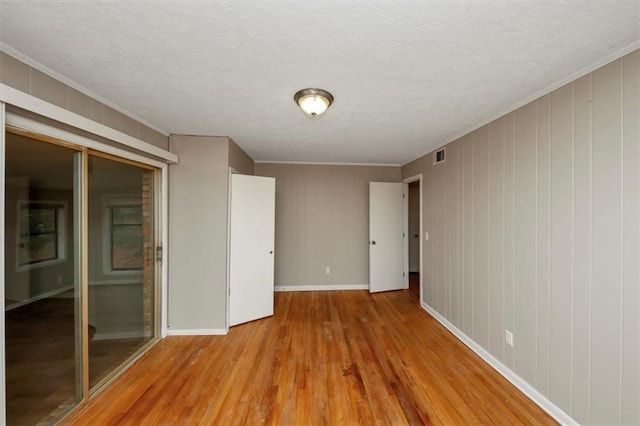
407, 76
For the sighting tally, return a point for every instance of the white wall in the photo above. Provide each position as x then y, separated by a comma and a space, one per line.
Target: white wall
534, 222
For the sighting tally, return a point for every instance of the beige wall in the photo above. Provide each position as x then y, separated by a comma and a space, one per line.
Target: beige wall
198, 232
322, 219
239, 160
198, 207
534, 223
22, 77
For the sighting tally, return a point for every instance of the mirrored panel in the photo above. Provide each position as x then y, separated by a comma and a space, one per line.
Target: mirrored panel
42, 280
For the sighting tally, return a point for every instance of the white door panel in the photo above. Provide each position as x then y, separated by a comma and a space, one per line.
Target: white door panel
386, 240
251, 258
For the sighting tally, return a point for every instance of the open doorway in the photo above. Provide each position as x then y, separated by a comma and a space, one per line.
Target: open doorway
414, 223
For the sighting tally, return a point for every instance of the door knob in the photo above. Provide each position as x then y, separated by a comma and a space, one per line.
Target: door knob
271, 252
373, 242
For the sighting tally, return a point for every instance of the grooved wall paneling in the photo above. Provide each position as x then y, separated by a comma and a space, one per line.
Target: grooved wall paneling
322, 221
543, 208
509, 233
606, 230
631, 239
542, 244
480, 223
581, 249
495, 250
525, 242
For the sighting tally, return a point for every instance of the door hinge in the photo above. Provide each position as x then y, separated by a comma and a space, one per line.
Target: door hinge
403, 196
403, 274
159, 254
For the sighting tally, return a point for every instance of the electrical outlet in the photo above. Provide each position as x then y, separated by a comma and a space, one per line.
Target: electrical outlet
508, 337
327, 270
426, 236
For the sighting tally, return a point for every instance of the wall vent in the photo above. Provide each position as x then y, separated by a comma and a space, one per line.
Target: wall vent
438, 156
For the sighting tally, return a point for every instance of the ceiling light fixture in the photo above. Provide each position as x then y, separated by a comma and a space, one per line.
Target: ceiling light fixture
313, 101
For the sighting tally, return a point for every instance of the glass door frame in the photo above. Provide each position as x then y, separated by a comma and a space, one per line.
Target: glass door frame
85, 145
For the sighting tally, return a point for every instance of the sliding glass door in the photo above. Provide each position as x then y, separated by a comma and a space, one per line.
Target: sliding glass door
121, 262
80, 276
42, 280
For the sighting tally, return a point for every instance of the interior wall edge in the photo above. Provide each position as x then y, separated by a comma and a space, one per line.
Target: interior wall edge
542, 401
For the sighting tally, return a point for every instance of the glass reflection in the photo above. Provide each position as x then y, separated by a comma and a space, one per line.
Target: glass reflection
121, 312
41, 280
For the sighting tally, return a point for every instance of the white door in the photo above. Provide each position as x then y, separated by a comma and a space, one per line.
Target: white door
251, 245
386, 239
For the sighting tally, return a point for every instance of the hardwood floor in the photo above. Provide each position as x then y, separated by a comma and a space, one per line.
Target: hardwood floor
324, 358
41, 361
414, 283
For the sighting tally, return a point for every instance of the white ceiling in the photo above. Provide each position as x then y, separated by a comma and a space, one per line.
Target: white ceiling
408, 76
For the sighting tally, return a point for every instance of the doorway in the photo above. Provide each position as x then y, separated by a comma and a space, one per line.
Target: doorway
413, 249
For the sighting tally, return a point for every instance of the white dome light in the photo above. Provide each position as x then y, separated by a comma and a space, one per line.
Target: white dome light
313, 101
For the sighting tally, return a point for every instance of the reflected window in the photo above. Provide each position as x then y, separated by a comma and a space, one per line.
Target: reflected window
126, 238
123, 236
41, 237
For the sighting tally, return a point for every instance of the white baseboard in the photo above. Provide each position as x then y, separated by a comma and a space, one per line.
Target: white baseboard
323, 287
554, 411
198, 332
39, 297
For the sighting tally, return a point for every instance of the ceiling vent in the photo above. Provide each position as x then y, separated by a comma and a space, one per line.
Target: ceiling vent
438, 156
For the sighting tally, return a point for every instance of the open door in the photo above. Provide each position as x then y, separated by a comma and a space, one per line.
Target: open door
386, 237
251, 248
